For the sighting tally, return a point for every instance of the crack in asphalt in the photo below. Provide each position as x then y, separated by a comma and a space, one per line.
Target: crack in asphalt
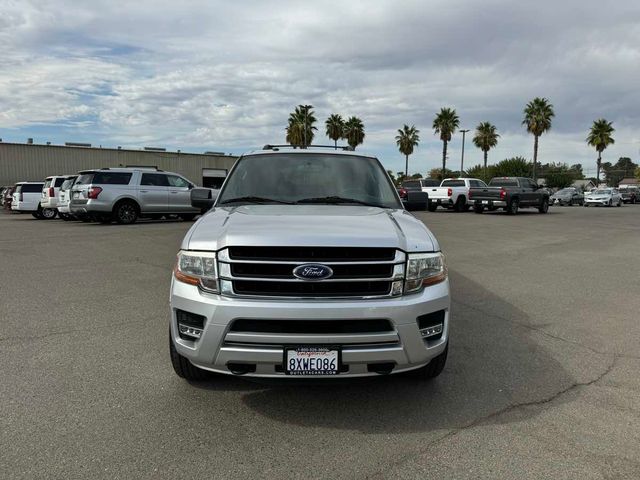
503, 411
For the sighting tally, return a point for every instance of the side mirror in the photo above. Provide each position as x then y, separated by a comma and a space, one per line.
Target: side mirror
416, 201
190, 186
203, 198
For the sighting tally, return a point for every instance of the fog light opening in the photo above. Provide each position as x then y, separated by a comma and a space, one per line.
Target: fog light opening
190, 325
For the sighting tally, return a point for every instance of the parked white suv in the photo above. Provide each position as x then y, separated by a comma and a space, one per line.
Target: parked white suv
50, 192
308, 266
64, 198
125, 194
453, 193
26, 198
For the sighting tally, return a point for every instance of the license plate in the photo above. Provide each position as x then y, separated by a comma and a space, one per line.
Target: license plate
485, 202
312, 361
76, 194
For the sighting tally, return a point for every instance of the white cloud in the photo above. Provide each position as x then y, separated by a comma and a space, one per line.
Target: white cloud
225, 75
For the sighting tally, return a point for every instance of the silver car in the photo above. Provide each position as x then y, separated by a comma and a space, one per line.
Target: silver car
308, 266
125, 194
606, 197
567, 196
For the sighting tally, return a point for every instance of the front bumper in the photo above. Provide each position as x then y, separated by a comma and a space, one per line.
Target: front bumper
217, 347
597, 202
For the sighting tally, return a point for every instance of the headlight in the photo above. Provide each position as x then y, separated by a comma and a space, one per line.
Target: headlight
424, 269
197, 268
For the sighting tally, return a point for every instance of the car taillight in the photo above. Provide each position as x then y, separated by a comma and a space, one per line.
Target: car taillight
403, 193
469, 193
503, 193
449, 192
94, 192
51, 192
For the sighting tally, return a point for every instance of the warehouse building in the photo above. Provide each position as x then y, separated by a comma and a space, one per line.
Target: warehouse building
32, 162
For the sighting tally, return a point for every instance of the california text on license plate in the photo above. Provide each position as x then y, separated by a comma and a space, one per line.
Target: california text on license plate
312, 361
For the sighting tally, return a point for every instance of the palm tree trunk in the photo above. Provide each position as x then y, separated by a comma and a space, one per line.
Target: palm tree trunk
535, 156
336, 143
406, 165
444, 159
598, 164
485, 165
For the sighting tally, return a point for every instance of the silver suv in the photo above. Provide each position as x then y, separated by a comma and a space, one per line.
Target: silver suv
308, 265
125, 194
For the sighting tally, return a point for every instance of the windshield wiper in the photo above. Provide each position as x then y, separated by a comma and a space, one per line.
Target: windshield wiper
336, 200
253, 199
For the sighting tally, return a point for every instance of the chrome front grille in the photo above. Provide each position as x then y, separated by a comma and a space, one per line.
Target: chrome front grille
268, 272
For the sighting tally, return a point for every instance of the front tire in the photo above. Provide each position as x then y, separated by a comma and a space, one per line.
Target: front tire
433, 368
188, 217
544, 206
460, 203
183, 367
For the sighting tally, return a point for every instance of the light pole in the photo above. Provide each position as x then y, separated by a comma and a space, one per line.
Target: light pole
462, 159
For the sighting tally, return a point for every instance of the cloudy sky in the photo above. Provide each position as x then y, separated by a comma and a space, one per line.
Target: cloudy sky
214, 75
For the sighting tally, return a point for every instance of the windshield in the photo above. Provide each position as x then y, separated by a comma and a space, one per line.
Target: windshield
453, 183
602, 192
309, 178
503, 182
67, 184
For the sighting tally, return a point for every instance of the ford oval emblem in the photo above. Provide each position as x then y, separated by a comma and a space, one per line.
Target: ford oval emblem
312, 271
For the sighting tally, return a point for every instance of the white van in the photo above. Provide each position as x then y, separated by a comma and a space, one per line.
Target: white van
26, 199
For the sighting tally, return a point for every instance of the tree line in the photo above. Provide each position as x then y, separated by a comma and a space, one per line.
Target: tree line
300, 129
538, 116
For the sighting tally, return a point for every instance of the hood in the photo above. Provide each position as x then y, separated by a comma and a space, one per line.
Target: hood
309, 225
599, 197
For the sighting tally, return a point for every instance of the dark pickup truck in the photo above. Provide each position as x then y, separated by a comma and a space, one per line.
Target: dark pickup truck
511, 194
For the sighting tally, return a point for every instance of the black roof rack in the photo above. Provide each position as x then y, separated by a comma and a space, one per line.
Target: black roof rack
332, 147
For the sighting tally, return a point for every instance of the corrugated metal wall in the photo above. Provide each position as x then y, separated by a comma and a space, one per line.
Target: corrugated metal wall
24, 162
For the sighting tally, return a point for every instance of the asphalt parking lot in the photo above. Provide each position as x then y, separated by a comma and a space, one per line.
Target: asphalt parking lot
542, 379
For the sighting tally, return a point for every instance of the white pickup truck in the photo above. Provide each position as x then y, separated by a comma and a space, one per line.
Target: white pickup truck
453, 193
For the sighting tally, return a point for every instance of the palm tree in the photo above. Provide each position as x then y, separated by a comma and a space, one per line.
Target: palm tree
600, 138
353, 132
485, 138
445, 125
406, 140
537, 118
335, 127
299, 131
